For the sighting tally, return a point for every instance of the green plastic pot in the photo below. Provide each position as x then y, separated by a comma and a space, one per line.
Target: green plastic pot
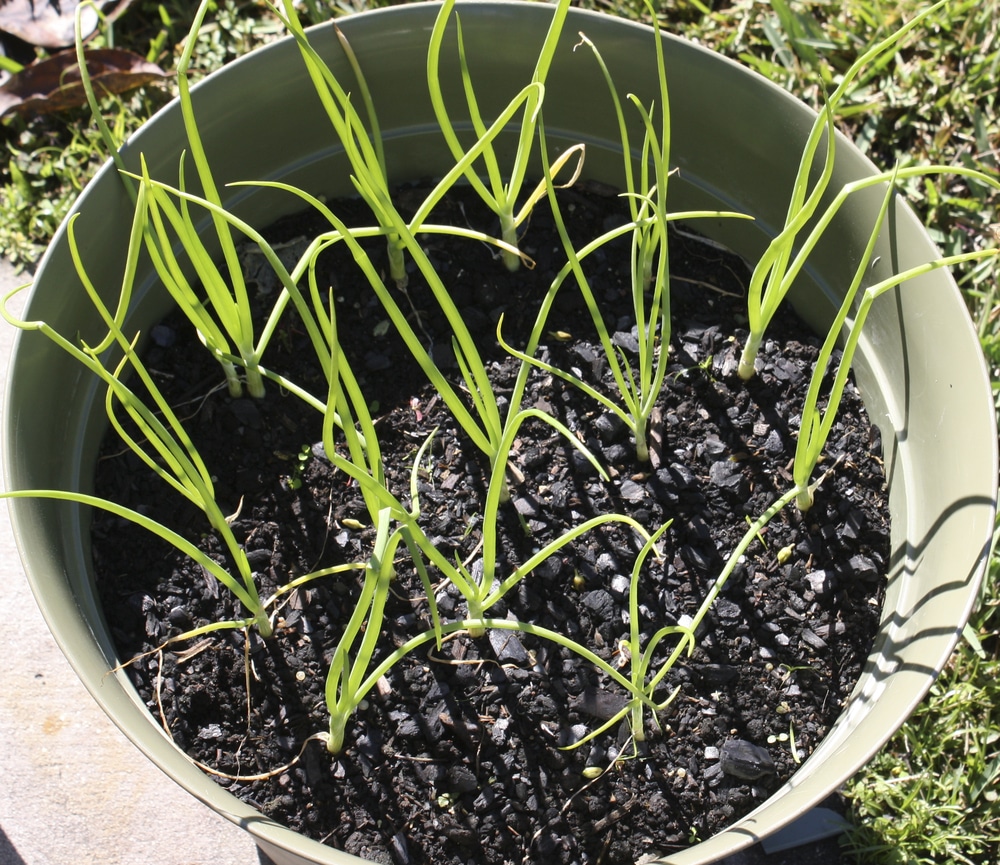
737, 141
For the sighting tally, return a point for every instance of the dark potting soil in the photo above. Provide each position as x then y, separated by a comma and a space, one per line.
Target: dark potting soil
456, 755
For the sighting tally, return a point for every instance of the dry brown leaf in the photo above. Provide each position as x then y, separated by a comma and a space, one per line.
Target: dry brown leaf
53, 84
50, 25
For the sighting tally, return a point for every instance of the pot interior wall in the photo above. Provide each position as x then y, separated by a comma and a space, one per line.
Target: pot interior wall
736, 140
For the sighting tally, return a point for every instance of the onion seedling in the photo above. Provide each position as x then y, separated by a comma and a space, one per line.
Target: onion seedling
638, 387
363, 147
815, 426
502, 192
365, 151
228, 297
791, 270
771, 278
644, 679
223, 319
174, 457
346, 673
639, 657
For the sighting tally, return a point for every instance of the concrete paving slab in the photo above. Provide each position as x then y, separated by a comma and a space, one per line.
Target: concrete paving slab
73, 789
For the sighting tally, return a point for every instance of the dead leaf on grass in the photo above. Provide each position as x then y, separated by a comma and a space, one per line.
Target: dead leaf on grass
53, 84
47, 24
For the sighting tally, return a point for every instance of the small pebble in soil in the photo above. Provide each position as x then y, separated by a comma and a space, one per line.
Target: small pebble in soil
742, 759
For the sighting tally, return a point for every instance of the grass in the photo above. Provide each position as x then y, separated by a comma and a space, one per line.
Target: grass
929, 796
46, 161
